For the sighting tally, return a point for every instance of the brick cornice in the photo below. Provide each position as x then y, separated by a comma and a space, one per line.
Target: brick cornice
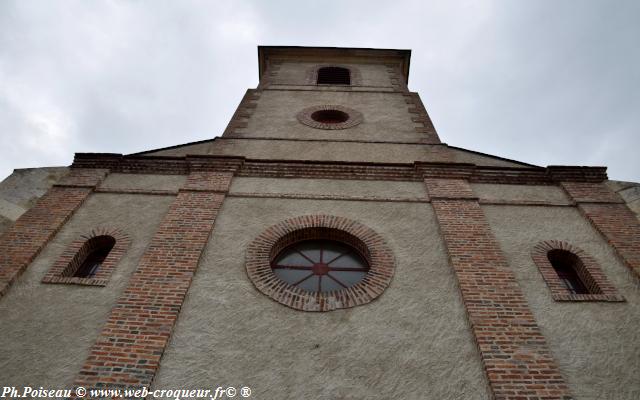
415, 171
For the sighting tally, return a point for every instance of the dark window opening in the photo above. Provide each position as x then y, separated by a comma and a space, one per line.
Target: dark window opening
566, 265
330, 116
333, 76
97, 250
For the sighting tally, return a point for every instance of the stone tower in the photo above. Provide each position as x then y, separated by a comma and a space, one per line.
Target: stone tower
328, 245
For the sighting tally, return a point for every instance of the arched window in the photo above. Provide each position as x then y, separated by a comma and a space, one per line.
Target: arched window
566, 265
90, 259
333, 76
571, 274
91, 255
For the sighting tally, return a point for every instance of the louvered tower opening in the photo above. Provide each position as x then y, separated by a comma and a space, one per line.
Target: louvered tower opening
334, 76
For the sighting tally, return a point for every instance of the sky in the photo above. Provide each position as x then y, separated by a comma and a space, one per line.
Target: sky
547, 82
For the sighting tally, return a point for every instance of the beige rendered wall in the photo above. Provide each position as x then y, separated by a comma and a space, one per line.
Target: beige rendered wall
386, 116
595, 344
20, 190
295, 73
47, 329
116, 181
533, 193
395, 189
329, 151
411, 343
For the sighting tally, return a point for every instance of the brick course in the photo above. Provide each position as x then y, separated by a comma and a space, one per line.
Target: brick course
611, 217
128, 350
24, 240
516, 358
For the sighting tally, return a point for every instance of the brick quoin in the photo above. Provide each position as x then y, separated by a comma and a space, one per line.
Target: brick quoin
128, 350
608, 213
24, 240
515, 355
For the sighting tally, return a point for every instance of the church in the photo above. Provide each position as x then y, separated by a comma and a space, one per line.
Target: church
328, 245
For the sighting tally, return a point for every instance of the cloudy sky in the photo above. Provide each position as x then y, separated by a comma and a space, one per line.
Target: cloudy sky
547, 82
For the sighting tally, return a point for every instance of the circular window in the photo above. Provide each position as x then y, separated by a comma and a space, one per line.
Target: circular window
320, 263
320, 266
330, 117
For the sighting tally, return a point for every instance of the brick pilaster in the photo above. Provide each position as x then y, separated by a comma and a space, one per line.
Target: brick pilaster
608, 213
128, 350
517, 361
24, 240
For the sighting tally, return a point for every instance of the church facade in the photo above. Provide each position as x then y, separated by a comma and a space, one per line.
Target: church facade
328, 245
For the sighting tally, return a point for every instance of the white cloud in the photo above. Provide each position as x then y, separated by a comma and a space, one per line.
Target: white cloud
544, 82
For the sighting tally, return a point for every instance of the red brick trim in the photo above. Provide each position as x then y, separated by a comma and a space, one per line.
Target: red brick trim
517, 361
128, 350
24, 240
354, 73
355, 117
331, 169
608, 213
449, 189
588, 270
620, 227
371, 245
591, 192
74, 255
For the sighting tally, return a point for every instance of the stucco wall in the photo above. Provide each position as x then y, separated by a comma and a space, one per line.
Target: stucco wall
629, 192
546, 193
331, 151
386, 116
143, 181
411, 343
295, 73
463, 156
47, 329
20, 190
595, 344
394, 189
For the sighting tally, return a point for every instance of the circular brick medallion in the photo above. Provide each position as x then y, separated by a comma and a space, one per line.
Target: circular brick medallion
262, 252
330, 117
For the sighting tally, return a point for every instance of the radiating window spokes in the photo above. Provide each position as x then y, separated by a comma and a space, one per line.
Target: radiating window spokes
320, 266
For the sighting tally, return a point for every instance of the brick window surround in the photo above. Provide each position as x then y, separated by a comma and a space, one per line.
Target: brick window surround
75, 254
371, 245
590, 273
305, 117
354, 73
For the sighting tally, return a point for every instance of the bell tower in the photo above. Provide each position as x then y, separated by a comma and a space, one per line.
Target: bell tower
334, 104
